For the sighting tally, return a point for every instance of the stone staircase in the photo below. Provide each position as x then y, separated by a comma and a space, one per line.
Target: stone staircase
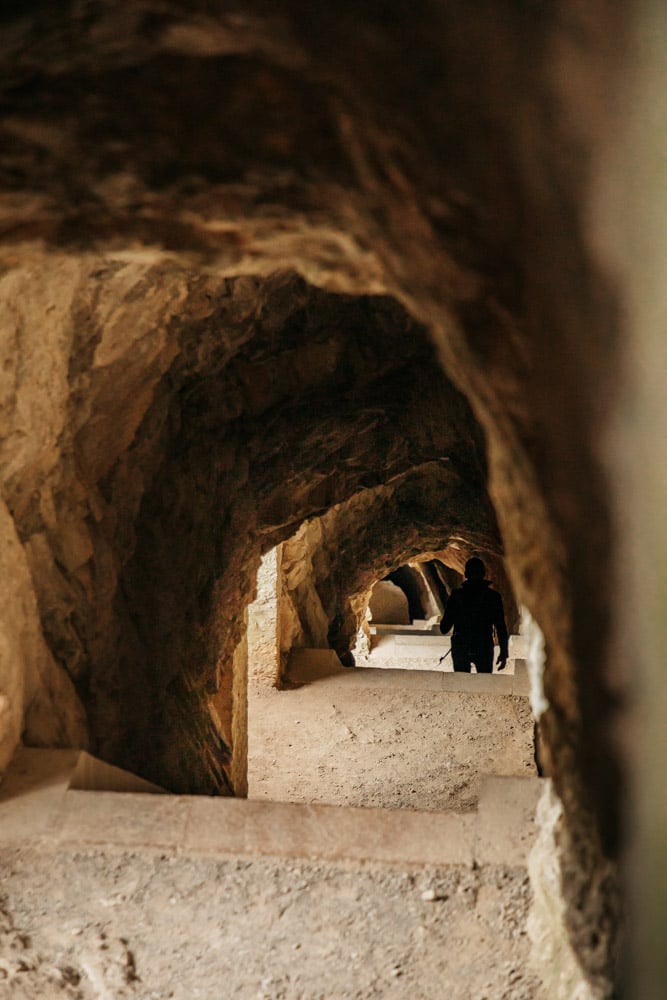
115, 888
411, 642
142, 895
43, 804
307, 666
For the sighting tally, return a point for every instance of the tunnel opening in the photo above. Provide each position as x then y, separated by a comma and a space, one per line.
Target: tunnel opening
151, 458
424, 590
431, 581
371, 455
409, 735
324, 410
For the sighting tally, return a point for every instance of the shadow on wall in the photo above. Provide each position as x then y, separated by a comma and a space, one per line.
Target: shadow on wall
389, 604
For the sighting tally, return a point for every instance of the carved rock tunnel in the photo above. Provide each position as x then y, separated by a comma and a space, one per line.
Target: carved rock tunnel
354, 288
245, 407
327, 408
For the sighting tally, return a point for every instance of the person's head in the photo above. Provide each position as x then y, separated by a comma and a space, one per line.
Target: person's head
475, 569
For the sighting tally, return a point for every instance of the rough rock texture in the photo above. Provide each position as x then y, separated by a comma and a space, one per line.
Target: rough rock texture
551, 953
238, 736
159, 162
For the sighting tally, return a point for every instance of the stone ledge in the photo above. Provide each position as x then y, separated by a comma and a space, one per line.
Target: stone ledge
37, 806
333, 833
322, 666
123, 819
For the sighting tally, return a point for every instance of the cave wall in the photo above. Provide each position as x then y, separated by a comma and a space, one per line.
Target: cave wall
304, 621
630, 235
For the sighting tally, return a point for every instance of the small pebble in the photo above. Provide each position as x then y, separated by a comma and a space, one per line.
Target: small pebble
430, 896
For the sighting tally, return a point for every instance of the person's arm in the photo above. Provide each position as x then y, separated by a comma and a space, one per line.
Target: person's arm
447, 619
501, 631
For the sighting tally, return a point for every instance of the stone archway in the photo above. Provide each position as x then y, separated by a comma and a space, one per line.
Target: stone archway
294, 441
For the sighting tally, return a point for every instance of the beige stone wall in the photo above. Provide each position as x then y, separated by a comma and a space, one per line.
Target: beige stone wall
552, 956
304, 621
264, 621
37, 699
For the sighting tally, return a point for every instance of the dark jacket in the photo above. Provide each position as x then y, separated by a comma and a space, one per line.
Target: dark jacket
475, 610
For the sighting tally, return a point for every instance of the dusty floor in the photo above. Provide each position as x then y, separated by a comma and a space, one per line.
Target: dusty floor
89, 926
96, 925
390, 748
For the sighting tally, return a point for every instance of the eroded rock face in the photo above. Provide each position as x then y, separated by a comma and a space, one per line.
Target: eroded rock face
159, 164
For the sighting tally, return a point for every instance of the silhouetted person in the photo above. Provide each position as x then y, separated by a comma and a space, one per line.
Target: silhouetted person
474, 610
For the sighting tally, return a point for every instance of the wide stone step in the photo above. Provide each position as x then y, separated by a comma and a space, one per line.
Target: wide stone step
39, 805
406, 642
322, 666
417, 628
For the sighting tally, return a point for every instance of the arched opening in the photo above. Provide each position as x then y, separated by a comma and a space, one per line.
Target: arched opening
403, 736
424, 591
261, 439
